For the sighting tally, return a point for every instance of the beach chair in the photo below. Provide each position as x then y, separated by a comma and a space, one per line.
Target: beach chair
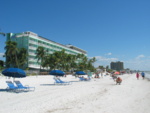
84, 79
63, 82
11, 86
26, 87
58, 81
81, 78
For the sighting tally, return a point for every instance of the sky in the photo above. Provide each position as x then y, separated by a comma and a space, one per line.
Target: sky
110, 30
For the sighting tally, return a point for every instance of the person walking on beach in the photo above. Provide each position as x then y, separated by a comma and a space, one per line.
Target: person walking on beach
143, 75
137, 76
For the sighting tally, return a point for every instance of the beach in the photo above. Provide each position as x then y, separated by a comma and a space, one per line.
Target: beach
95, 96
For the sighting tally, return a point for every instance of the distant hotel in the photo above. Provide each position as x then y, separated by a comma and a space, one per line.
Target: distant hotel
117, 66
31, 41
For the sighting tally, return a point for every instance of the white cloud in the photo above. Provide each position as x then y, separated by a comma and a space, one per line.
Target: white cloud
140, 56
141, 62
100, 58
1, 54
109, 54
137, 64
103, 61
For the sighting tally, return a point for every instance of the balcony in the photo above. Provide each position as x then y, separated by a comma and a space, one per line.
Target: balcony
32, 42
31, 53
33, 48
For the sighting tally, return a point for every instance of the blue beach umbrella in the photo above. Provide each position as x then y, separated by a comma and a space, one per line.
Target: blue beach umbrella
14, 72
80, 73
57, 72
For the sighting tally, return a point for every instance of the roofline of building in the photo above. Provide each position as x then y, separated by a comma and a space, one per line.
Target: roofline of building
31, 33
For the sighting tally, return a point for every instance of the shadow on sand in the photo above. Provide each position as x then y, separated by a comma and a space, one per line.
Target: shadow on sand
3, 90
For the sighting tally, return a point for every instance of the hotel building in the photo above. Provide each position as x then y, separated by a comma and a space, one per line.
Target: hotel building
31, 41
117, 66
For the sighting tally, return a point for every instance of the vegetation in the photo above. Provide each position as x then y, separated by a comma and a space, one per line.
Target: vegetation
63, 61
40, 54
1, 64
15, 57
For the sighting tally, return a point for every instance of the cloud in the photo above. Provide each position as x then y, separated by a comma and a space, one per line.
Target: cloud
109, 54
104, 61
140, 56
141, 62
1, 54
100, 58
137, 64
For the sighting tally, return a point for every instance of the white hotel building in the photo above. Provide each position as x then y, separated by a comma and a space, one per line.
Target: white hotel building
31, 41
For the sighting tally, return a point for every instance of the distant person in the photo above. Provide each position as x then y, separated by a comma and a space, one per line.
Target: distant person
101, 75
143, 75
97, 75
114, 77
137, 76
118, 80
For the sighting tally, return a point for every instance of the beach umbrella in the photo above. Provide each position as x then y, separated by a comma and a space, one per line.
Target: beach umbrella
80, 73
117, 73
57, 73
14, 72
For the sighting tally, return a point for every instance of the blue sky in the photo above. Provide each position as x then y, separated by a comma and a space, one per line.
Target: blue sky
110, 30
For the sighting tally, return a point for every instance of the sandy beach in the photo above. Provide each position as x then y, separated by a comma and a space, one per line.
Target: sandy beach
95, 96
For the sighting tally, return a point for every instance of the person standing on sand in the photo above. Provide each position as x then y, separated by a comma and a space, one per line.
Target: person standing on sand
101, 75
143, 75
137, 76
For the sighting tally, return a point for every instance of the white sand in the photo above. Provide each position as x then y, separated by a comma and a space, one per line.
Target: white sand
96, 96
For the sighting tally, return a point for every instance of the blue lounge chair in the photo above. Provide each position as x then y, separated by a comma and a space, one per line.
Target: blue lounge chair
64, 82
81, 78
84, 79
11, 86
60, 82
26, 87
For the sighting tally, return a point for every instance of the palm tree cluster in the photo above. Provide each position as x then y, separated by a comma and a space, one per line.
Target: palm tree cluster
15, 57
63, 61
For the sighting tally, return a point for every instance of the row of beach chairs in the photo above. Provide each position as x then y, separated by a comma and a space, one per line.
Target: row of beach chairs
58, 81
18, 86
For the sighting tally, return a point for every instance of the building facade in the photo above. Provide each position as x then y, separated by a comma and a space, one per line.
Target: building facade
117, 66
31, 41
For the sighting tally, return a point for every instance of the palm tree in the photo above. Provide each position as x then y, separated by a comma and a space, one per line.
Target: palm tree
81, 62
45, 63
90, 64
22, 57
70, 60
40, 54
52, 61
63, 60
11, 54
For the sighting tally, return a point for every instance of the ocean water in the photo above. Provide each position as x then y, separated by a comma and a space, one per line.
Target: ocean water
147, 74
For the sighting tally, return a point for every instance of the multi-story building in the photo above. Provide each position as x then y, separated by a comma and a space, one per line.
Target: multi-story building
117, 66
31, 41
